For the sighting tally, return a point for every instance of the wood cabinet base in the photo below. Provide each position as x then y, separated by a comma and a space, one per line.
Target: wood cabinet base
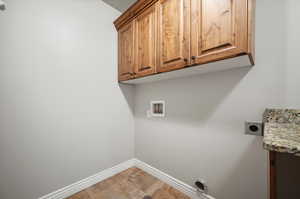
272, 175
236, 62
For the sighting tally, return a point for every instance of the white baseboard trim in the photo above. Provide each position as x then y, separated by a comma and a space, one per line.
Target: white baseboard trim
87, 182
173, 182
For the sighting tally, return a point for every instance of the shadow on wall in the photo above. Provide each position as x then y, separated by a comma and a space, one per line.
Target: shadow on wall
203, 129
241, 175
189, 99
128, 93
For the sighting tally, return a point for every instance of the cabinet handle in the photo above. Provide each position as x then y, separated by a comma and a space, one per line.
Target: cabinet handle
133, 73
193, 57
146, 67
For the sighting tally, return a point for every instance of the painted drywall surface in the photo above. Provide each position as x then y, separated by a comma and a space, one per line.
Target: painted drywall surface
202, 135
63, 116
120, 5
288, 175
292, 54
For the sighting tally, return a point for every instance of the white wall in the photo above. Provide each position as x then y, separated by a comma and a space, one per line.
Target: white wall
202, 135
63, 116
292, 54
120, 5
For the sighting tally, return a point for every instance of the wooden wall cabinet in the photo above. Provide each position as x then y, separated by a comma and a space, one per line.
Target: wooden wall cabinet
145, 42
159, 36
219, 29
173, 34
126, 51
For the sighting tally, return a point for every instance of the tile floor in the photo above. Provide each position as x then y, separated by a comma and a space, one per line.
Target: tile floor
132, 183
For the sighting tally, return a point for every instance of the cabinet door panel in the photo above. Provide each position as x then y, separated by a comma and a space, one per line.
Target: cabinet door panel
126, 52
219, 29
146, 42
173, 34
217, 24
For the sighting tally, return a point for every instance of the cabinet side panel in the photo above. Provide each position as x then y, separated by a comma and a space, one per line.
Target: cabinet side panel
251, 29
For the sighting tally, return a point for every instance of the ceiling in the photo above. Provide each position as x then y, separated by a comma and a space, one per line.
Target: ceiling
120, 5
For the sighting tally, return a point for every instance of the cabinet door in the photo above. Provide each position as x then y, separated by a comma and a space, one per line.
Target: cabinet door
146, 42
126, 52
173, 34
218, 29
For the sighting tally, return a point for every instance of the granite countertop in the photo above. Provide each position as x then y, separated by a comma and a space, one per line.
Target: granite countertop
282, 138
282, 130
282, 116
